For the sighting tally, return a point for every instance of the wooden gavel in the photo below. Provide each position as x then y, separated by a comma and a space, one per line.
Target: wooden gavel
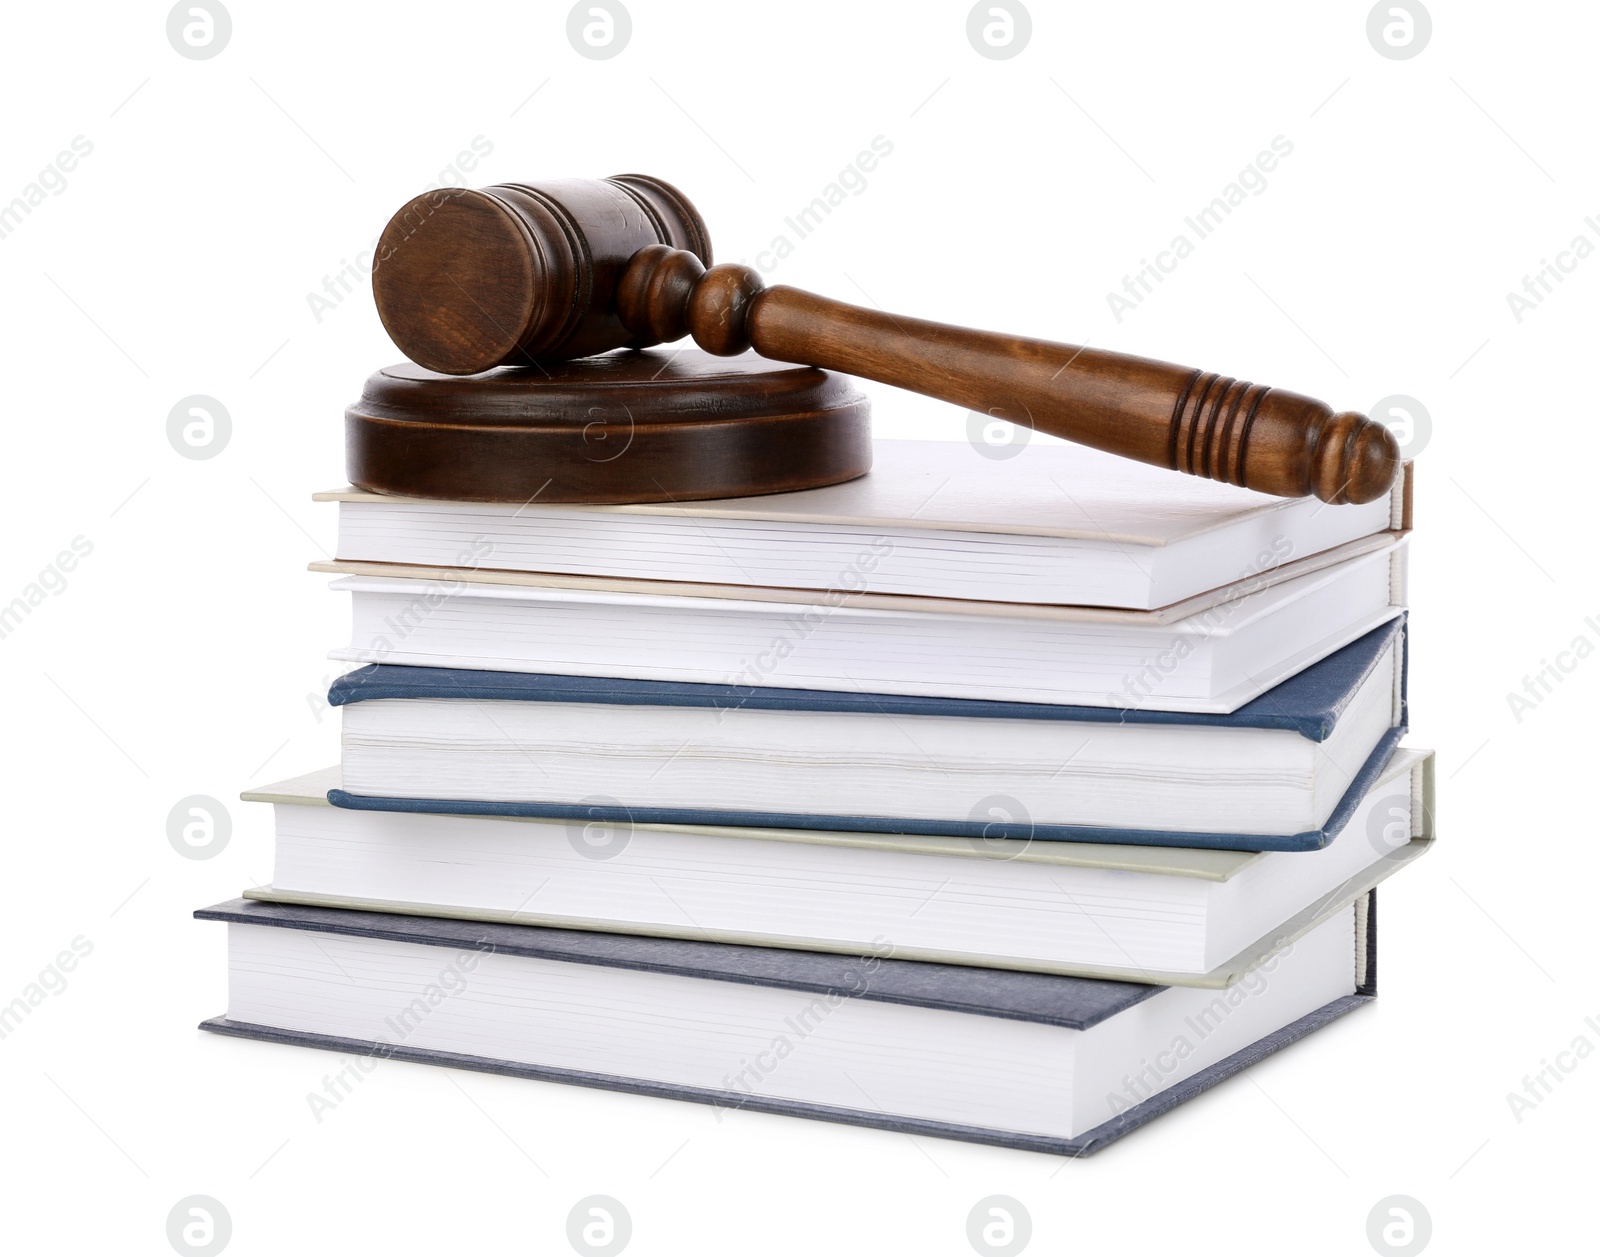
540, 272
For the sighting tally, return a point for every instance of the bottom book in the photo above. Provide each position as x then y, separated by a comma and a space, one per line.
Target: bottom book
1042, 1062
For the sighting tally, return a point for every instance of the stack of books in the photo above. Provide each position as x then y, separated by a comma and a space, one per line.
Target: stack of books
827, 803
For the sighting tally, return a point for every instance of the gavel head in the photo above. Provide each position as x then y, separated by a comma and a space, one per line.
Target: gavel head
523, 272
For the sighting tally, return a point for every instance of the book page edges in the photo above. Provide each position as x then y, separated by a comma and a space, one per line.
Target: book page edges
1228, 974
311, 790
1416, 766
1148, 506
835, 599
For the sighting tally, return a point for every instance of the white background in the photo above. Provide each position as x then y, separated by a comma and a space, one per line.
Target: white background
180, 656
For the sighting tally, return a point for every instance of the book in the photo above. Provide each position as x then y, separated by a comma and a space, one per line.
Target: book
1284, 772
1173, 916
1036, 1061
1057, 524
1219, 655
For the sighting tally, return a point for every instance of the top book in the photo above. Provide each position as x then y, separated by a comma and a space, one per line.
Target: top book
1056, 524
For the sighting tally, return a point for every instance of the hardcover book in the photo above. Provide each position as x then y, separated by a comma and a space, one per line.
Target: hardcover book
1168, 915
1213, 653
1059, 524
1285, 772
1035, 1061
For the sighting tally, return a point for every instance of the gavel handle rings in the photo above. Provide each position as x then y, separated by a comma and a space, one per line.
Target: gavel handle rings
1197, 422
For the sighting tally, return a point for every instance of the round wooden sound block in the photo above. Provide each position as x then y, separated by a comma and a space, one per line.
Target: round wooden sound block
630, 426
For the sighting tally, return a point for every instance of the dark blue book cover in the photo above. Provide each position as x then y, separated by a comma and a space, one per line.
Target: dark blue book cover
1308, 704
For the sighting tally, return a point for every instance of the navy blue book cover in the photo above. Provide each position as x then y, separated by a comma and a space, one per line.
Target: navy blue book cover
1308, 704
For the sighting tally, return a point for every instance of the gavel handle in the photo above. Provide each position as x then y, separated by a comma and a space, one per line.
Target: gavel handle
1176, 417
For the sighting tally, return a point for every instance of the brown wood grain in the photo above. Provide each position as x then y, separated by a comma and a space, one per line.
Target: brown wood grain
524, 274
650, 426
